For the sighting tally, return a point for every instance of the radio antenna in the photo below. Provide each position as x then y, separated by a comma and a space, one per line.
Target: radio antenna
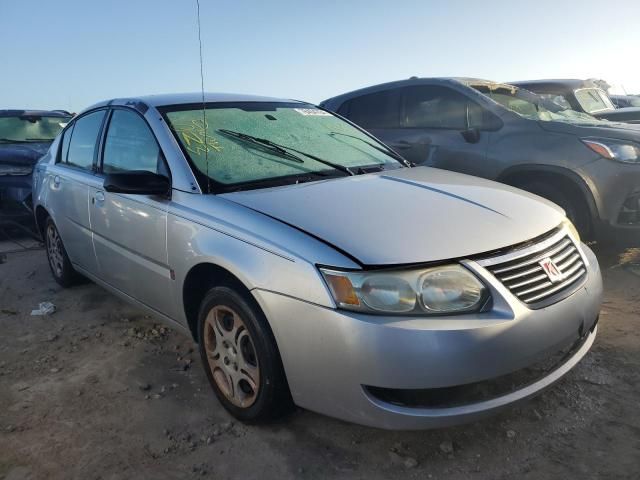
204, 116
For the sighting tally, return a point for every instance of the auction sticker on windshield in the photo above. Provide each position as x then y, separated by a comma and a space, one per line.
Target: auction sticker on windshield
312, 111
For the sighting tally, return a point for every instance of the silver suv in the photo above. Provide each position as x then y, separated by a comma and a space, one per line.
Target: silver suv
312, 265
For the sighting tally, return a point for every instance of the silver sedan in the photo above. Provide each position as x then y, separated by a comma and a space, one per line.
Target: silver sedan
313, 265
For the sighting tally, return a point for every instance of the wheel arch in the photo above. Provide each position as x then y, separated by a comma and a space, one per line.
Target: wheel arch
199, 280
520, 175
41, 214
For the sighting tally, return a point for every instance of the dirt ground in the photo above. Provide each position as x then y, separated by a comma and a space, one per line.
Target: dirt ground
99, 391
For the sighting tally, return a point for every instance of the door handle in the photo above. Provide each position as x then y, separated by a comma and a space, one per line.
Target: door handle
56, 181
401, 145
98, 198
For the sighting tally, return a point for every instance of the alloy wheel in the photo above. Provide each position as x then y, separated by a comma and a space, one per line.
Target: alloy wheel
54, 250
231, 356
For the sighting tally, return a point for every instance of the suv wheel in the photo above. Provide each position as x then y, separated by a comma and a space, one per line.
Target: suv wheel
240, 356
576, 211
59, 262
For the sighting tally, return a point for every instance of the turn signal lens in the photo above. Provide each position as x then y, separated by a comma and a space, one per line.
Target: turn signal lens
599, 148
342, 290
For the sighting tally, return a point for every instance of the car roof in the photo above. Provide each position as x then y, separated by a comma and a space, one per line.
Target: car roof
555, 85
34, 113
467, 81
162, 100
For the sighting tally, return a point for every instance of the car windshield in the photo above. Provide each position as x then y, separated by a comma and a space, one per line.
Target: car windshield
234, 146
535, 107
593, 100
31, 128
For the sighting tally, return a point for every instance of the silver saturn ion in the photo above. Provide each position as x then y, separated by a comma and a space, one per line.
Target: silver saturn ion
312, 265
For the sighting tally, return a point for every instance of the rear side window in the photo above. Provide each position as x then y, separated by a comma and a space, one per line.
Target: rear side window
376, 110
434, 107
84, 139
593, 100
130, 145
66, 137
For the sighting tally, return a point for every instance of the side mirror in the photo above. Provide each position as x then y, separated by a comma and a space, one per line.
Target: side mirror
471, 135
137, 182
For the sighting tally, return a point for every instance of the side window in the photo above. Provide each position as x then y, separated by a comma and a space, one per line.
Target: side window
376, 110
84, 138
130, 145
64, 149
434, 107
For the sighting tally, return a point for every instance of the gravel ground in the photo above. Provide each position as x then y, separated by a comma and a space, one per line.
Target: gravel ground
100, 391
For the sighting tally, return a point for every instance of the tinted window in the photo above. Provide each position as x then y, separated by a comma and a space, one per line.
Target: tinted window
130, 145
66, 137
593, 100
84, 138
434, 107
376, 110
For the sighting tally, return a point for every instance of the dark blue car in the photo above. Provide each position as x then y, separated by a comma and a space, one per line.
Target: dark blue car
25, 136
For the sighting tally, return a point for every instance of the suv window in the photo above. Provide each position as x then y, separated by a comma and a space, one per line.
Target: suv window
593, 100
84, 138
130, 145
436, 107
375, 110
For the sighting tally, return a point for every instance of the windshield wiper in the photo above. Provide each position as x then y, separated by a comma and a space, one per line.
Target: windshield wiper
263, 142
386, 151
285, 151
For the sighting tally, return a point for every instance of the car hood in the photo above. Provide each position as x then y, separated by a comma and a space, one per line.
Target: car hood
610, 129
410, 215
22, 153
620, 114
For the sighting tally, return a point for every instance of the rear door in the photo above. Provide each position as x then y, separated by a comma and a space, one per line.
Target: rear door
68, 183
130, 231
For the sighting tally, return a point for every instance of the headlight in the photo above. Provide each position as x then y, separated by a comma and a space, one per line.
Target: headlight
620, 150
573, 231
14, 170
437, 290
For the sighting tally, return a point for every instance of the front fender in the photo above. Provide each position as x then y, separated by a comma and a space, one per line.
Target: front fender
255, 254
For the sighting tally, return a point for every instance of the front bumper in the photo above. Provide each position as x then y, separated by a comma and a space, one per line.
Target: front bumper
330, 355
616, 191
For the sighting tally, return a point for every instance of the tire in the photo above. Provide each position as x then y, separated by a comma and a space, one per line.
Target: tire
59, 263
240, 356
576, 210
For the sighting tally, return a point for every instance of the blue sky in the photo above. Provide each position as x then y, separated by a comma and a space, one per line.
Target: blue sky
71, 53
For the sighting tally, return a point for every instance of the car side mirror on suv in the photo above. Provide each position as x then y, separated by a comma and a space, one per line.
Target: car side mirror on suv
479, 120
137, 182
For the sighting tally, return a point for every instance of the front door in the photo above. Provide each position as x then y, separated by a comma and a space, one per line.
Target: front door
440, 127
130, 231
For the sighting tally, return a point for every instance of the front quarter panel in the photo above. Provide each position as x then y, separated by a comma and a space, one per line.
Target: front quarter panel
261, 252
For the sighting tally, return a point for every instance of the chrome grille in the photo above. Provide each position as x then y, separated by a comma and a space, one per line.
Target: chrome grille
523, 274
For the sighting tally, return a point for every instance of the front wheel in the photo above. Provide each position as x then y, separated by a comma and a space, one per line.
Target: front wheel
240, 356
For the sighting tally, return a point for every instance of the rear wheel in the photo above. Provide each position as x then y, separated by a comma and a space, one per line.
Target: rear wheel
575, 208
59, 262
241, 357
